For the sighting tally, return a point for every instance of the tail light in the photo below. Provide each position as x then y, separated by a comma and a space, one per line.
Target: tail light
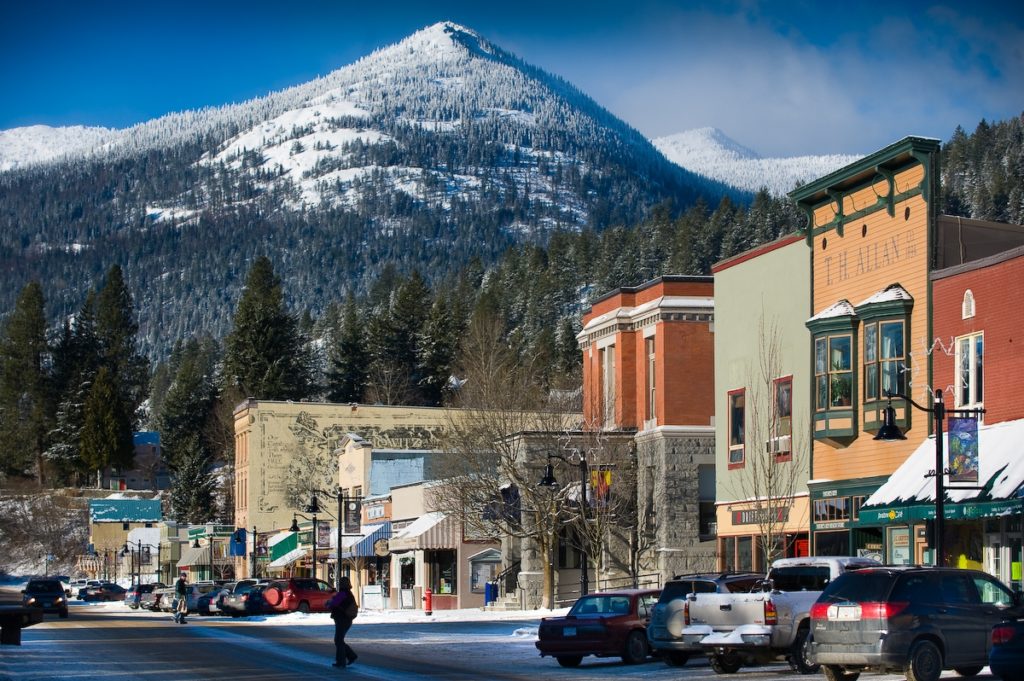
1002, 634
771, 615
819, 611
883, 610
686, 613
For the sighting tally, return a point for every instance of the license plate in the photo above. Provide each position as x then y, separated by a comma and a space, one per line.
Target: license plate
844, 612
569, 631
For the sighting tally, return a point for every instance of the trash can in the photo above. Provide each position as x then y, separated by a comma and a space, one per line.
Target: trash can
490, 593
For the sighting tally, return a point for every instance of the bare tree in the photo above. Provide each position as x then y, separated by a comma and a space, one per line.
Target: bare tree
495, 448
776, 452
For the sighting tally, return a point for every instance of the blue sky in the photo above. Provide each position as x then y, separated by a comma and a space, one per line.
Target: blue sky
781, 78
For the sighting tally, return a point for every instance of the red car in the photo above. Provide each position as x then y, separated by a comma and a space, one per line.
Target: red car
606, 624
298, 593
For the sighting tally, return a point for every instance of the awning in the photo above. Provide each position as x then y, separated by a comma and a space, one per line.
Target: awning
281, 544
909, 493
429, 531
363, 546
287, 559
195, 556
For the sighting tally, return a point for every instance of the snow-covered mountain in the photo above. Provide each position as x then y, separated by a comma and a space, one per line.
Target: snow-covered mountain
424, 154
710, 153
20, 147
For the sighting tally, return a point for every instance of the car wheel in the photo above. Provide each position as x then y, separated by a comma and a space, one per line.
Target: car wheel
635, 651
924, 663
304, 607
837, 673
799, 654
674, 659
968, 671
569, 660
725, 664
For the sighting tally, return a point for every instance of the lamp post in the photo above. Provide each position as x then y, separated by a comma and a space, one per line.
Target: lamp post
255, 546
549, 481
890, 431
313, 508
339, 496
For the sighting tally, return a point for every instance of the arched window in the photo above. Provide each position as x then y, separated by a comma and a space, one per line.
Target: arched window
967, 309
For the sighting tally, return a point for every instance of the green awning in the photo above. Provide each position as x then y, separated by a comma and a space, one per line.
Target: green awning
286, 545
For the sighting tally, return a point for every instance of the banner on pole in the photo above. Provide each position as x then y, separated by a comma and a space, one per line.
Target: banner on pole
963, 450
353, 513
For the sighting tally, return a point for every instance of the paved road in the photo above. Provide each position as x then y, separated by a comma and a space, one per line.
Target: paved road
105, 643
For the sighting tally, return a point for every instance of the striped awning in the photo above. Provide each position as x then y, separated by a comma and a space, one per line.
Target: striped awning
430, 531
363, 547
195, 556
287, 559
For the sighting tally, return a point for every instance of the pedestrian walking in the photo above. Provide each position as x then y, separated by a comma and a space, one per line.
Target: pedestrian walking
181, 598
343, 609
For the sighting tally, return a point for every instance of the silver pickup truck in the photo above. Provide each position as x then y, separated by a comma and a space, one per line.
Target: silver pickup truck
746, 629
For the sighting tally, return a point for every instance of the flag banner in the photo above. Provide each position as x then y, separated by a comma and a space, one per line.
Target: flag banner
238, 542
323, 535
353, 513
963, 450
600, 484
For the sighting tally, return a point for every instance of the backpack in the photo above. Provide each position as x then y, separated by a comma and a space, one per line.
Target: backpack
351, 608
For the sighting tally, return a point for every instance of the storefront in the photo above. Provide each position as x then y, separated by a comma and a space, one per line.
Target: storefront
837, 524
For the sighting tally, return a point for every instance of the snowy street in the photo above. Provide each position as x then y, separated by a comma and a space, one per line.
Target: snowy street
111, 642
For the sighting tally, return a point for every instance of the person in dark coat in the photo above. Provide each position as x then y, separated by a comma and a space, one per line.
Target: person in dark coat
181, 598
343, 611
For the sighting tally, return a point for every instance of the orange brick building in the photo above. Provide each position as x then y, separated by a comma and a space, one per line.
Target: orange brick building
648, 370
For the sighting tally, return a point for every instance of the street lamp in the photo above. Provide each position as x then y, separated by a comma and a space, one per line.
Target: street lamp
548, 480
312, 509
340, 497
890, 431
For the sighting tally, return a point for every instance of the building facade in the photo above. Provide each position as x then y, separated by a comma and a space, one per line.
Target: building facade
762, 391
648, 371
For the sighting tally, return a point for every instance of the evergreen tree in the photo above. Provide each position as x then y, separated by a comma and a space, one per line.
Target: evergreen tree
192, 484
265, 354
186, 409
392, 340
107, 428
437, 345
347, 356
26, 399
116, 332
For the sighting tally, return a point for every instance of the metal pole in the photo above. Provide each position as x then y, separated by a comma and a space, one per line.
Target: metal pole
255, 544
341, 523
584, 559
314, 545
940, 472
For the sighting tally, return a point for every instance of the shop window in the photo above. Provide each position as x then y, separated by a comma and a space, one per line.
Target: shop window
744, 553
831, 509
737, 427
443, 577
832, 543
970, 360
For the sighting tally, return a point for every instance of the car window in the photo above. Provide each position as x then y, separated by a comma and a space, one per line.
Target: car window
858, 587
324, 586
44, 585
916, 588
741, 585
992, 592
957, 589
800, 577
646, 603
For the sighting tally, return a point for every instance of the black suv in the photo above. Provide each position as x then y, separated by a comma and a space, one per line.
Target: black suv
915, 620
47, 594
664, 631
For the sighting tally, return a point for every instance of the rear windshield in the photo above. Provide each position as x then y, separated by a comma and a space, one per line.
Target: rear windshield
862, 586
44, 585
800, 577
678, 589
595, 606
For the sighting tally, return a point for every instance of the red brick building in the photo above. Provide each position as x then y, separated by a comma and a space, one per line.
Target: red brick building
648, 372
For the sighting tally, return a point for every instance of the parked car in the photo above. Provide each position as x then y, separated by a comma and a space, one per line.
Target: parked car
245, 599
212, 602
606, 624
89, 584
746, 629
133, 597
163, 599
150, 600
1006, 658
108, 591
196, 591
668, 617
298, 593
46, 593
914, 620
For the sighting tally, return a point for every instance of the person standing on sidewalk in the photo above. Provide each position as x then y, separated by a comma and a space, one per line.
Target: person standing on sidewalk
181, 598
343, 609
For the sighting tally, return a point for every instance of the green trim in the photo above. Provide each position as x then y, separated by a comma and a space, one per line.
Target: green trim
889, 205
964, 510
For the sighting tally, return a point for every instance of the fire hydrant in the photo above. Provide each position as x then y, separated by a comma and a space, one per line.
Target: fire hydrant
428, 601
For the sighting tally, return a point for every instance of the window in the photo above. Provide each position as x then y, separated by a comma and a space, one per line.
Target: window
481, 573
608, 384
970, 355
831, 509
967, 308
833, 372
884, 360
737, 427
781, 443
651, 384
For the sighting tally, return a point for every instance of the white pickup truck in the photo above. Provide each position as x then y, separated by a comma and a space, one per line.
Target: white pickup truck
746, 629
